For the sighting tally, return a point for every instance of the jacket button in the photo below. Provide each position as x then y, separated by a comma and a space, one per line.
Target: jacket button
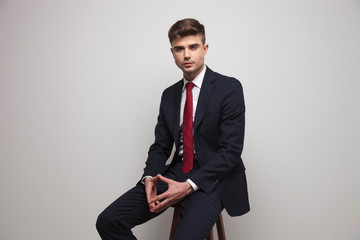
216, 181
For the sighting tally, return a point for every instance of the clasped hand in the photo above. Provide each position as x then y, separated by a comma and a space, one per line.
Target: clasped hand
175, 193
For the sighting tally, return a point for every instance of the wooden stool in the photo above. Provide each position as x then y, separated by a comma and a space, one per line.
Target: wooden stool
210, 236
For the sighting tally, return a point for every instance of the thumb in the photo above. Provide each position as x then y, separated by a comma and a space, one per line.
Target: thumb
164, 179
155, 179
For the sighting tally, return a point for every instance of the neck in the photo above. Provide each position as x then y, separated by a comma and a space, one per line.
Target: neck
193, 75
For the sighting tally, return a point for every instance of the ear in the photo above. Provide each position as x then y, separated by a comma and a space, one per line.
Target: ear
172, 51
205, 48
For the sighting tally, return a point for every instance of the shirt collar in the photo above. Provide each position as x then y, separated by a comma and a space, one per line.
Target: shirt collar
198, 80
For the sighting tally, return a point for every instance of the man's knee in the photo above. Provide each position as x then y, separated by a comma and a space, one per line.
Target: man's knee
106, 221
101, 222
112, 228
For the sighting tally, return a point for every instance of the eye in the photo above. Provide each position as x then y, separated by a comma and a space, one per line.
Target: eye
194, 46
178, 49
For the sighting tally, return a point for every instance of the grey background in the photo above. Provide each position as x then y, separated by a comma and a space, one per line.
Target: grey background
80, 85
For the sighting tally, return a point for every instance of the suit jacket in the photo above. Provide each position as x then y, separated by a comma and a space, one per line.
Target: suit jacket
218, 138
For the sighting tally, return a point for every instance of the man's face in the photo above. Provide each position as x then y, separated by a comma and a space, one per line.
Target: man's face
189, 53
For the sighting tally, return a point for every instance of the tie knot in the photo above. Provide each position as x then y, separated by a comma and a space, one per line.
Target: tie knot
189, 85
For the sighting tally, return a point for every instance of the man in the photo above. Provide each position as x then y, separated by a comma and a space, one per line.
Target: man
203, 114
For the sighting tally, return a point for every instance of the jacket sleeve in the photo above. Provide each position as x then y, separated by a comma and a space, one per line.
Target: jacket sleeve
160, 150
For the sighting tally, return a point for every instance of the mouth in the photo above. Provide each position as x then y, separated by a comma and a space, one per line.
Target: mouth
188, 64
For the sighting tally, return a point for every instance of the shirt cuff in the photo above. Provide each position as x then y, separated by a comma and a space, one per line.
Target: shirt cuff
193, 185
143, 179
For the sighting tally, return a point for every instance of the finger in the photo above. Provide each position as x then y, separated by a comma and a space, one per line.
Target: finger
152, 207
149, 201
164, 179
156, 207
162, 206
155, 179
160, 197
150, 193
148, 196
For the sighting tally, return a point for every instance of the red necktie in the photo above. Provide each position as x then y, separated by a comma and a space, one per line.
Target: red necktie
188, 144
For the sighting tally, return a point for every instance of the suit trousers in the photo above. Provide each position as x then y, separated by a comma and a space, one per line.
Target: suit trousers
199, 210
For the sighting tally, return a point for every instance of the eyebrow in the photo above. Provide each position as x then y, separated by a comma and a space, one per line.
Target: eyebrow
191, 45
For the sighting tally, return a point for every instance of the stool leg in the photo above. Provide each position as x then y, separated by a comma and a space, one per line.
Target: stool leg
220, 228
175, 220
210, 236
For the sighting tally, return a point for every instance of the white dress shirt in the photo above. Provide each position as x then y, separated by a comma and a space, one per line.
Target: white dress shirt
195, 92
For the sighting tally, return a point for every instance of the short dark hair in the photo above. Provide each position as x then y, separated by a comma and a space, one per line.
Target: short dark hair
186, 27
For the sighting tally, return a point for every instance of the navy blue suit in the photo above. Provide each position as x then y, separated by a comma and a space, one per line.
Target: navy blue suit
218, 170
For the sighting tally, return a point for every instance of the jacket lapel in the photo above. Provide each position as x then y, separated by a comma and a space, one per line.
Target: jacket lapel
205, 93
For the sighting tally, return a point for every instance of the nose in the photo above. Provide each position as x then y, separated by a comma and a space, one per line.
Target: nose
186, 53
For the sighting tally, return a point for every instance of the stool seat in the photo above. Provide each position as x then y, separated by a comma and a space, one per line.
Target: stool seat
219, 226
